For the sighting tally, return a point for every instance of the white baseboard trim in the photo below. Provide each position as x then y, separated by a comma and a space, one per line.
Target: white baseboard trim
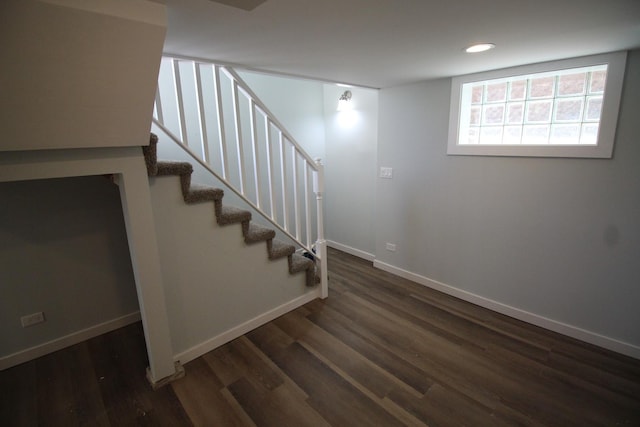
550, 324
352, 251
67, 340
237, 331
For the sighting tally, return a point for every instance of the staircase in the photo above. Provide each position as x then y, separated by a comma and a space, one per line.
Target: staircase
213, 117
227, 215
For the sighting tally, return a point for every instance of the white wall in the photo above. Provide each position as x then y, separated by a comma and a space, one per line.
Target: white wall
558, 238
297, 104
63, 250
350, 171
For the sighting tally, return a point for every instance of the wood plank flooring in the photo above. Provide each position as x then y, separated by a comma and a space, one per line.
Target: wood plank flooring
380, 351
100, 382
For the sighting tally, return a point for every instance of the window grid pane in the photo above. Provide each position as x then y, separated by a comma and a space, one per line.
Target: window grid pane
560, 109
568, 109
598, 79
517, 90
571, 84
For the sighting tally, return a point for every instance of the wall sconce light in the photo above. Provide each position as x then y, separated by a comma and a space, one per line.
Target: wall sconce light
344, 102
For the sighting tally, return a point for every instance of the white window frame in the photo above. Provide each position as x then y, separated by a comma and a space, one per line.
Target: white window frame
616, 62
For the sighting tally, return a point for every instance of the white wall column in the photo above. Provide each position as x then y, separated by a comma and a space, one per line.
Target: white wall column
138, 218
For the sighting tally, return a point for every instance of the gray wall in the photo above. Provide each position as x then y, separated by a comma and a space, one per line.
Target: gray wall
64, 251
350, 171
347, 143
556, 237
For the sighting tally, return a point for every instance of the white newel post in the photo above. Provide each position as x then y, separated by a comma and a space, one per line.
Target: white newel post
321, 244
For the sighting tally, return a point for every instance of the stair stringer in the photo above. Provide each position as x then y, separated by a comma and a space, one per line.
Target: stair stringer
217, 285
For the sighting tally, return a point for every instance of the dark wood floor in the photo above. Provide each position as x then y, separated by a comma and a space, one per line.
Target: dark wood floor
380, 351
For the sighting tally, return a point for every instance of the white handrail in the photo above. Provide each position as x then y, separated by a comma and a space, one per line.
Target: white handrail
193, 111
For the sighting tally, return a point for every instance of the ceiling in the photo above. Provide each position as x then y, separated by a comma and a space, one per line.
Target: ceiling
382, 43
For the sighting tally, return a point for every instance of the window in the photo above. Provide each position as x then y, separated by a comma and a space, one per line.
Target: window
563, 108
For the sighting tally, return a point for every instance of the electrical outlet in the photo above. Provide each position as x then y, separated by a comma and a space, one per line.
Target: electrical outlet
386, 173
32, 319
390, 247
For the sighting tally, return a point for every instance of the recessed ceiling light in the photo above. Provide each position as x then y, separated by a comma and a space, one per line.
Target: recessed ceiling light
481, 47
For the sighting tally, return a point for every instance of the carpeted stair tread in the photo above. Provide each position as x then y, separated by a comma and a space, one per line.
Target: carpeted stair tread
256, 233
202, 193
279, 249
173, 168
232, 215
299, 263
